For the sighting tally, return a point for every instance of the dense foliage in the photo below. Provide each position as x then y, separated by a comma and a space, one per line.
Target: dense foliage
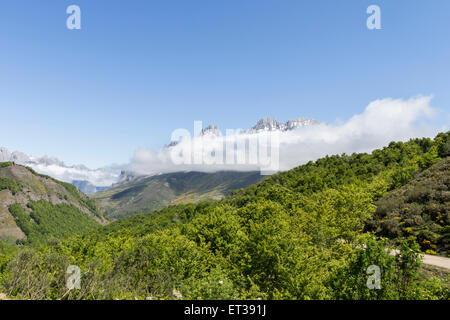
10, 184
73, 191
85, 201
44, 221
419, 211
296, 235
5, 164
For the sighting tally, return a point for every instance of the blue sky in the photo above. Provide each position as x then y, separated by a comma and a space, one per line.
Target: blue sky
137, 70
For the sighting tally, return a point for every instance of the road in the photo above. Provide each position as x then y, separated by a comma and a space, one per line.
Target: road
436, 261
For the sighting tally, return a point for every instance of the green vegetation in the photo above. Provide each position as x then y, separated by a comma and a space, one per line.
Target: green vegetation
73, 191
400, 277
82, 199
47, 221
40, 208
301, 234
418, 211
11, 185
7, 252
396, 163
5, 164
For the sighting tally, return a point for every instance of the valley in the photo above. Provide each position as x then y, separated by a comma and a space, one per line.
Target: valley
149, 193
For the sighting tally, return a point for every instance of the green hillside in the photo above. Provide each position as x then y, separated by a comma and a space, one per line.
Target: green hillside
420, 210
35, 208
300, 234
145, 194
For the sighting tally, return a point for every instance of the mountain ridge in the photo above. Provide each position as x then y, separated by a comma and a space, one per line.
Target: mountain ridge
56, 168
26, 196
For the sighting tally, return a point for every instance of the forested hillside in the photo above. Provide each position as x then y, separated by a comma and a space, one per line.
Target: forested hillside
420, 210
35, 208
301, 234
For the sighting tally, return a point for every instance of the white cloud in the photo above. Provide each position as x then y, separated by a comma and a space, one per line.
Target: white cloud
99, 177
59, 170
381, 122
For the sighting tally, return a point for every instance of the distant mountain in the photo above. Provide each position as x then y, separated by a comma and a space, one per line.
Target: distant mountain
35, 207
271, 124
148, 193
87, 187
126, 176
94, 180
264, 125
211, 130
59, 170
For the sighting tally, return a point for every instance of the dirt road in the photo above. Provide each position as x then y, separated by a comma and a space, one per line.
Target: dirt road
436, 261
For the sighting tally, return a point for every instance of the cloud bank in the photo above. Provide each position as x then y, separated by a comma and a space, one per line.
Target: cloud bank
57, 169
98, 177
381, 122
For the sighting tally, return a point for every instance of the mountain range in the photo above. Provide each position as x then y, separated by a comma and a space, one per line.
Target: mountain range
135, 194
271, 124
87, 187
266, 124
79, 174
94, 180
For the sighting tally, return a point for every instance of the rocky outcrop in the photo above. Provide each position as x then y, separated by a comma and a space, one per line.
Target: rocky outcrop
271, 124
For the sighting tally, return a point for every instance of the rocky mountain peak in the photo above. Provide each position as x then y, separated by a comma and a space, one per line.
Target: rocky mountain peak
300, 122
211, 130
271, 124
267, 124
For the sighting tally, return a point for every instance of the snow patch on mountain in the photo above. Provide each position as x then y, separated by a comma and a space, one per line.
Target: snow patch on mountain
103, 177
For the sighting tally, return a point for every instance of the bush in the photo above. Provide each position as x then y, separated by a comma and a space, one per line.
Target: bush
11, 185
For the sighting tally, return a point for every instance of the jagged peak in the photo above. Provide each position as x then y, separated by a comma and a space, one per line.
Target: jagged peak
271, 124
211, 130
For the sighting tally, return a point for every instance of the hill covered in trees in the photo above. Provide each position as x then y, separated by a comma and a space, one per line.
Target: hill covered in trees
420, 210
300, 234
35, 208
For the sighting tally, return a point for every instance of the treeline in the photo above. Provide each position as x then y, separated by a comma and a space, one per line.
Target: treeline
300, 234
